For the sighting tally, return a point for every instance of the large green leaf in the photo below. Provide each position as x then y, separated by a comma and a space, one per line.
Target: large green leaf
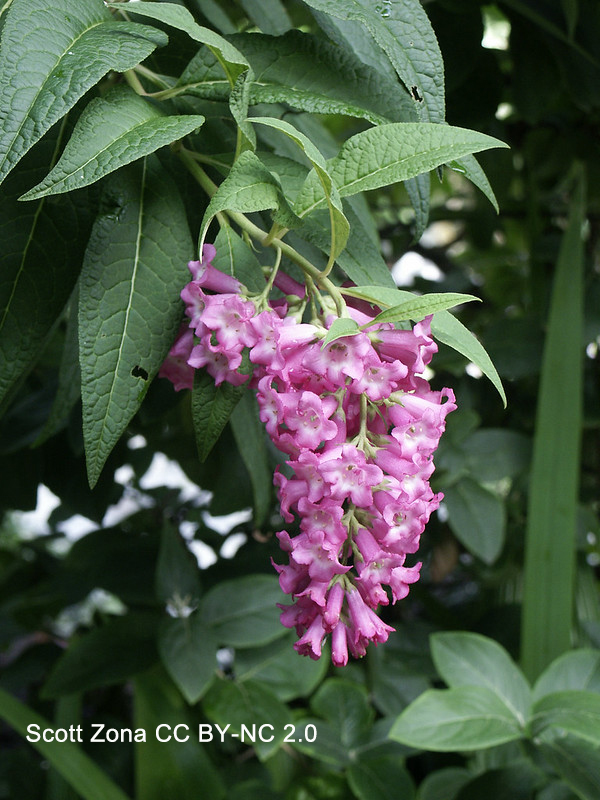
549, 578
422, 306
402, 30
464, 718
469, 659
78, 769
252, 713
477, 518
243, 612
129, 300
50, 55
444, 327
304, 72
390, 153
42, 249
112, 131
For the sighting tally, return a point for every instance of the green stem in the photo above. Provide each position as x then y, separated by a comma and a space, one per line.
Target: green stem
267, 239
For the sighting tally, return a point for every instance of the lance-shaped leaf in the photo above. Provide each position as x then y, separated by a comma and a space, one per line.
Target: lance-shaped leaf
249, 187
235, 257
129, 300
402, 30
51, 54
420, 307
42, 249
231, 60
112, 131
445, 327
470, 168
418, 190
340, 228
391, 153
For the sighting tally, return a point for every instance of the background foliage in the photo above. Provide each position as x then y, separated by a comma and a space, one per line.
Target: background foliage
510, 567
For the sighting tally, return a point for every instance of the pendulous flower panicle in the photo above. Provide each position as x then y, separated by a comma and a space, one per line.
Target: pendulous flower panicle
359, 425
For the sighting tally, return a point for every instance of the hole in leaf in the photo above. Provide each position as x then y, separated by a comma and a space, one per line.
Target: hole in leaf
415, 94
139, 372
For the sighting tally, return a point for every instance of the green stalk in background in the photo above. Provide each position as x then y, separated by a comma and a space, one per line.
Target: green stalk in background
547, 615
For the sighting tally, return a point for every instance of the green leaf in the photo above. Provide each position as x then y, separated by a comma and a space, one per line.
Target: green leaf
211, 408
420, 307
444, 327
239, 103
90, 659
278, 666
112, 131
449, 330
177, 574
78, 769
253, 706
469, 659
340, 227
573, 710
380, 778
243, 612
346, 707
469, 167
231, 60
189, 653
51, 54
30, 269
270, 15
171, 768
390, 153
235, 257
403, 31
304, 72
477, 518
249, 435
576, 760
549, 576
577, 669
466, 718
343, 326
250, 186
327, 747
129, 300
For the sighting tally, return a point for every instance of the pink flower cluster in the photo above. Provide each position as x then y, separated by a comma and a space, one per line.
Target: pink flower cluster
359, 424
